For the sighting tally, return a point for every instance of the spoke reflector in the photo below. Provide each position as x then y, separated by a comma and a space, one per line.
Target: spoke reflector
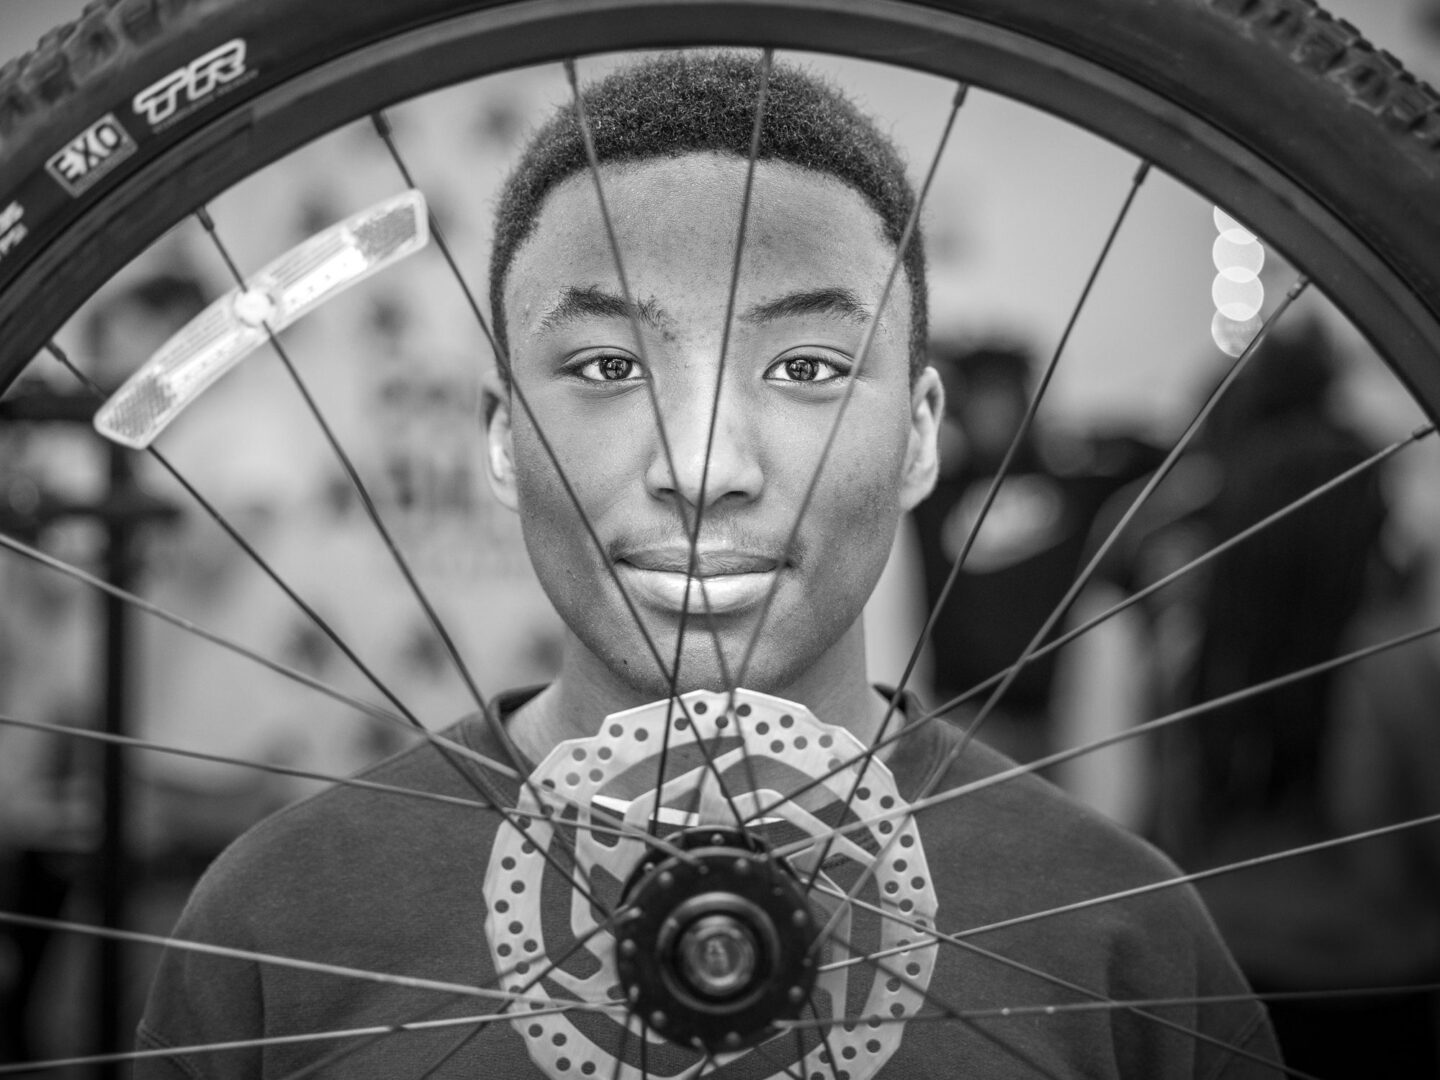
1237, 291
242, 320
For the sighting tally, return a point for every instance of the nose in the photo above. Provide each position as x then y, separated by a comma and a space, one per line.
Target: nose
702, 469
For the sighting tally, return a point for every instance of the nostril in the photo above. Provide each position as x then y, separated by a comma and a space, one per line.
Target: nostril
702, 471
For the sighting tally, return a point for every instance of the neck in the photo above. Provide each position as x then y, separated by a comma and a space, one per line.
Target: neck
586, 691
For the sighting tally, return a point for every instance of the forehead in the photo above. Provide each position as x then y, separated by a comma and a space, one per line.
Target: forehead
676, 222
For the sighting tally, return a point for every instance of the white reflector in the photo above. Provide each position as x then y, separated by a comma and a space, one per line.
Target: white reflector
241, 321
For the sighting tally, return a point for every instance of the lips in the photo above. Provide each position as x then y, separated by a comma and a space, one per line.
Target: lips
707, 563
725, 581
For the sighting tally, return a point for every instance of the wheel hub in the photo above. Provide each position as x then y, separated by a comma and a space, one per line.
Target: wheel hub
718, 942
708, 948
717, 956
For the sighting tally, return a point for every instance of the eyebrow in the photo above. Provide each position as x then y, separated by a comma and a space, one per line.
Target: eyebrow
591, 301
827, 300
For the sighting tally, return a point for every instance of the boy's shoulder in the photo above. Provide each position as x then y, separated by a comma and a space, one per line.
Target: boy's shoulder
395, 823
1013, 845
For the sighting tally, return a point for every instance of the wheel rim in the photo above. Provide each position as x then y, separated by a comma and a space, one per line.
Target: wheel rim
1326, 250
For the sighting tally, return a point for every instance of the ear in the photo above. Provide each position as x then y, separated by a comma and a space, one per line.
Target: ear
500, 449
922, 457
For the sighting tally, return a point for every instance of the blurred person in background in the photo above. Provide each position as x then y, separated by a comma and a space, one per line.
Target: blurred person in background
1346, 750
1028, 551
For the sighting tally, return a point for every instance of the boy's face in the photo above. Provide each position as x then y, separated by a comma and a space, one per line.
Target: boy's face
815, 264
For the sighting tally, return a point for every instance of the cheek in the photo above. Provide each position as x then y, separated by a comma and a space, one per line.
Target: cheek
552, 526
859, 501
867, 460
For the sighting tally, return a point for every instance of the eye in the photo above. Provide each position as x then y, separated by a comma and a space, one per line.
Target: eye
608, 368
807, 368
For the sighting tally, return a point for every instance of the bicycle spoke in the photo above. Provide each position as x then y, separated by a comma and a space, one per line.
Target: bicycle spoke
386, 134
385, 131
1016, 442
960, 939
347, 464
954, 1014
766, 63
673, 671
925, 798
449, 1054
1083, 578
621, 830
267, 1041
580, 942
228, 527
1214, 871
1060, 1008
917, 724
243, 763
1027, 422
1097, 999
443, 746
359, 974
1156, 724
911, 225
624, 1047
448, 749
140, 604
827, 1051
1373, 462
386, 537
1023, 1011
1056, 758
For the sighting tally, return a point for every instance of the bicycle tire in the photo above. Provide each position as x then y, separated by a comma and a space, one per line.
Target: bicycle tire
1270, 107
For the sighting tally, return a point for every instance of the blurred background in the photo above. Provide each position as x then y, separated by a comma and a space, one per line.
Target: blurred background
1019, 210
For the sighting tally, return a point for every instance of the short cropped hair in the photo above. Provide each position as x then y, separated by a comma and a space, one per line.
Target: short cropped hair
677, 104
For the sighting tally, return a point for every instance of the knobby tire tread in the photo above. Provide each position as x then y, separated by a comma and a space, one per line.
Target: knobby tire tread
1334, 107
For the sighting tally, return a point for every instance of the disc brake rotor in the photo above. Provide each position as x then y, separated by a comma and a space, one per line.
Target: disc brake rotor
718, 943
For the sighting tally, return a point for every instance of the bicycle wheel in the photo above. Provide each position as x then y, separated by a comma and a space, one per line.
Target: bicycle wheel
142, 114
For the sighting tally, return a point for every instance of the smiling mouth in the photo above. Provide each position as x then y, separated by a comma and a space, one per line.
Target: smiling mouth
731, 580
